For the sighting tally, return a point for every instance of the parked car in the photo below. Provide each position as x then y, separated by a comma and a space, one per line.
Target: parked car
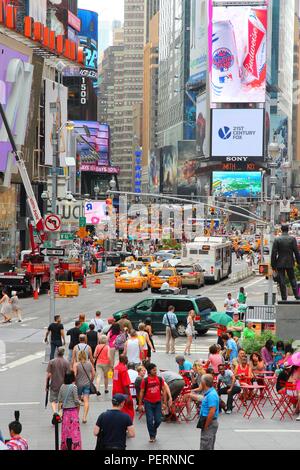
156, 306
191, 275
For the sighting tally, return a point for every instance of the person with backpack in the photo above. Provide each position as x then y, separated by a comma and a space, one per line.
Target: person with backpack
82, 346
144, 341
120, 341
133, 348
153, 395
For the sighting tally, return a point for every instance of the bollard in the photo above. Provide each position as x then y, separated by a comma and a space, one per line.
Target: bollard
56, 420
84, 284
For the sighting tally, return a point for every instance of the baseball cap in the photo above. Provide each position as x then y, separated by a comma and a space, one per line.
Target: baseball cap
118, 399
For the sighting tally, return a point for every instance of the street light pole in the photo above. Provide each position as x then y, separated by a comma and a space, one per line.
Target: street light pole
274, 151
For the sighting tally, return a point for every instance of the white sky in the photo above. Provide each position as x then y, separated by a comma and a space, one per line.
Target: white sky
108, 10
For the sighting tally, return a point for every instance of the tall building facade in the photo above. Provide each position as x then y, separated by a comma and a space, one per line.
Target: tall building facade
151, 8
150, 101
121, 89
174, 53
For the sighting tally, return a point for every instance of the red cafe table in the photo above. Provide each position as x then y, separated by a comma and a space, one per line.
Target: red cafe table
255, 400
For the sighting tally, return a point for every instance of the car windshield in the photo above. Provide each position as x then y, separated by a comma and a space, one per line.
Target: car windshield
185, 269
205, 306
165, 255
145, 260
165, 273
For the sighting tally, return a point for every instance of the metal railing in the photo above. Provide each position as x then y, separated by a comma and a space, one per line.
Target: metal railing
241, 275
260, 312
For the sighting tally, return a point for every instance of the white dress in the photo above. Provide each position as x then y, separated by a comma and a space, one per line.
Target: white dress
190, 330
6, 307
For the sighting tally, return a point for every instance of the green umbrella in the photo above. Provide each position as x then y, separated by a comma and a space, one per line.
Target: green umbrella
221, 318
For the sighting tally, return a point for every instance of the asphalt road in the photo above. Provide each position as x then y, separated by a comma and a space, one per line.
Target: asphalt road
22, 374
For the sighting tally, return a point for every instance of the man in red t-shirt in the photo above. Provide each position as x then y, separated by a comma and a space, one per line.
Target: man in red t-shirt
153, 392
121, 384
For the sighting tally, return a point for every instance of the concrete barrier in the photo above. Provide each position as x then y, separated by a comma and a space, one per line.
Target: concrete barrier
288, 320
241, 275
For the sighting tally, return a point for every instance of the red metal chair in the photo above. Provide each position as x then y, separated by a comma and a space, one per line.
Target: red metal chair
287, 399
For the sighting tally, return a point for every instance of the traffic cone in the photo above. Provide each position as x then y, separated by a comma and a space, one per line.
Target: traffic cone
36, 295
97, 281
84, 284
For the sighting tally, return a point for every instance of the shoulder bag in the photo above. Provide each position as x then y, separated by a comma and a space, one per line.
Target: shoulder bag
201, 422
92, 386
174, 331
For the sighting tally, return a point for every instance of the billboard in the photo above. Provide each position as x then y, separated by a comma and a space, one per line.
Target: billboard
58, 16
198, 52
55, 107
237, 134
237, 184
88, 37
154, 172
238, 54
96, 137
15, 89
188, 168
168, 170
37, 9
201, 127
95, 212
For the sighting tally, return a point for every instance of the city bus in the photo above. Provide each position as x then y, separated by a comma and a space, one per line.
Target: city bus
213, 254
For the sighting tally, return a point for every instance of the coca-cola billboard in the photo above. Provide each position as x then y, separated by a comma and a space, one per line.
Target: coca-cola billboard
238, 54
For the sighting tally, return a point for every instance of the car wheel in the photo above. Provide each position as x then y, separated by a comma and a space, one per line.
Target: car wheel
118, 290
152, 290
109, 263
181, 329
202, 332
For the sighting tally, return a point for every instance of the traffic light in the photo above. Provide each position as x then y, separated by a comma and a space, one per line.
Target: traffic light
109, 207
264, 269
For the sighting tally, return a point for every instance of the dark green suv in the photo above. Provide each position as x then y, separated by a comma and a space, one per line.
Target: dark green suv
156, 306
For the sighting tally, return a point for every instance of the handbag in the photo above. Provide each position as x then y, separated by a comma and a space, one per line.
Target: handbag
92, 386
174, 331
201, 422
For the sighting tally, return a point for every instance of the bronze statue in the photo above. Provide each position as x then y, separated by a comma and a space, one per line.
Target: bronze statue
284, 255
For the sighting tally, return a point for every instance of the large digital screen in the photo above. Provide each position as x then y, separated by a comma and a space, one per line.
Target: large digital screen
237, 184
188, 168
154, 171
238, 48
95, 137
169, 170
237, 133
201, 126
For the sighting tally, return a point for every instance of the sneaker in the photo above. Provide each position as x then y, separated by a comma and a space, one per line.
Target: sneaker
229, 412
298, 418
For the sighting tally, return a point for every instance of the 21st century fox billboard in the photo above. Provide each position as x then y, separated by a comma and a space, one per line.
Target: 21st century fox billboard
238, 53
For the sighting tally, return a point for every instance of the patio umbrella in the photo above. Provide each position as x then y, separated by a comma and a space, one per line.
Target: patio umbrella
221, 318
295, 359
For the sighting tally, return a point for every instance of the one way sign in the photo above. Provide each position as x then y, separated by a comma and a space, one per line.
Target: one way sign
60, 252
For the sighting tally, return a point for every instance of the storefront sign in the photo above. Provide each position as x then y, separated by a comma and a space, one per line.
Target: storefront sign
100, 169
74, 21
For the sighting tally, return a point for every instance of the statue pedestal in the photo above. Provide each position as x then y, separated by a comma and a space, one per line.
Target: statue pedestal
288, 320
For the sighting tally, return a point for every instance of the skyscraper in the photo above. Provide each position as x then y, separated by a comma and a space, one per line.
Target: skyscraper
121, 89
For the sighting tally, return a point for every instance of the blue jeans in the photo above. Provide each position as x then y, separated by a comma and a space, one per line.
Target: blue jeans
54, 346
153, 416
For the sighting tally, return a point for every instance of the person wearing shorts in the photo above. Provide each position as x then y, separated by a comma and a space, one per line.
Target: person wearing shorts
85, 374
102, 363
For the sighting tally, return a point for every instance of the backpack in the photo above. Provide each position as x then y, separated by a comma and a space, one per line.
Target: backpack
146, 384
120, 341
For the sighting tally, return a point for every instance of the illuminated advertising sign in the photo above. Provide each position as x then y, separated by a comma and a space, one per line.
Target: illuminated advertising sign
237, 184
169, 170
237, 134
188, 168
15, 90
238, 54
201, 126
198, 53
154, 171
95, 212
97, 141
138, 171
88, 37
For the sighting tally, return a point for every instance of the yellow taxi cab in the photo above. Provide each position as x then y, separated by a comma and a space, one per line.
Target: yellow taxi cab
129, 259
124, 267
245, 246
131, 280
160, 276
146, 260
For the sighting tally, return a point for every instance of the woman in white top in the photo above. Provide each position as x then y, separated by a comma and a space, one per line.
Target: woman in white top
190, 331
5, 307
133, 349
